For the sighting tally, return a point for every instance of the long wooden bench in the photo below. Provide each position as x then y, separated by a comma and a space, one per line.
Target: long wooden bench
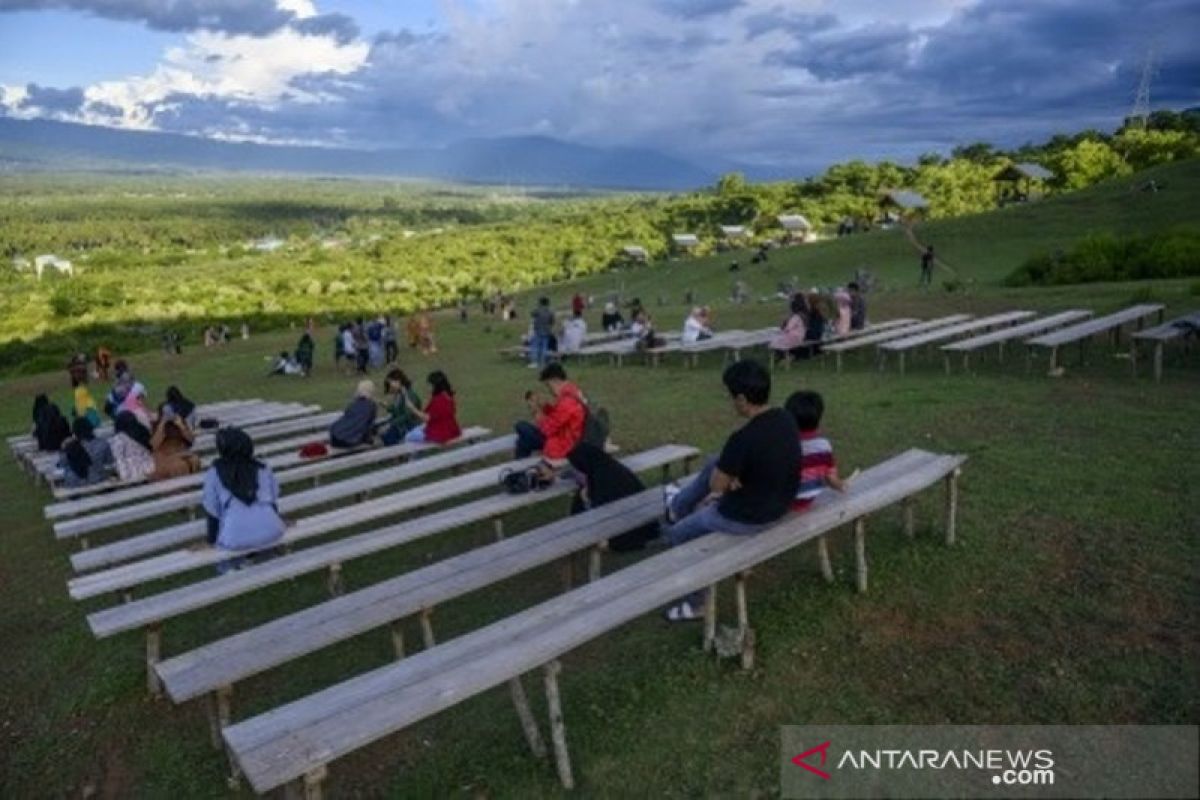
1006, 335
355, 488
1160, 335
1080, 333
300, 739
869, 330
839, 348
902, 345
151, 612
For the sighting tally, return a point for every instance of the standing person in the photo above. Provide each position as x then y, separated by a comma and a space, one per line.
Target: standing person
245, 330
375, 343
362, 347
85, 459
858, 307
927, 259
749, 486
425, 333
50, 429
602, 479
578, 304
390, 351
103, 362
400, 410
130, 445
304, 352
412, 330
349, 352
240, 497
356, 426
439, 420
557, 424
77, 369
543, 328
841, 298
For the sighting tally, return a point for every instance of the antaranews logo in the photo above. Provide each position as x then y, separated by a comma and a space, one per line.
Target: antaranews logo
823, 750
1022, 767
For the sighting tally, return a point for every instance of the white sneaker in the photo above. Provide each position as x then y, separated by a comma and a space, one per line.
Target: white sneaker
670, 492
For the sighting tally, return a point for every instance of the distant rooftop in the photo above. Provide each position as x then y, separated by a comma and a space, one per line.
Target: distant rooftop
685, 239
794, 222
1027, 170
905, 199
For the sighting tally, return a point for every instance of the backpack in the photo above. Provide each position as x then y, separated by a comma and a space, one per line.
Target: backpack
596, 426
523, 481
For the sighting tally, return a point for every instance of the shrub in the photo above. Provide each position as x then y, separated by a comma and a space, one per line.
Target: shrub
1105, 257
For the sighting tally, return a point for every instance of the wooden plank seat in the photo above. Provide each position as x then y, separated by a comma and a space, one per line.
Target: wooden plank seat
442, 457
224, 662
1159, 336
616, 350
878, 327
1110, 324
151, 612
521, 351
299, 739
1006, 335
654, 354
903, 344
860, 342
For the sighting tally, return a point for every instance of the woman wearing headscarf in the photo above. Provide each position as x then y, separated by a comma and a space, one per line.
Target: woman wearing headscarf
49, 427
131, 449
792, 332
171, 445
85, 459
135, 403
240, 496
603, 480
356, 426
180, 406
439, 420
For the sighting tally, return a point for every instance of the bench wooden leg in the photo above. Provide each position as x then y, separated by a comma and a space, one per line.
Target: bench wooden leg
1158, 361
312, 784
558, 729
823, 558
153, 656
83, 543
528, 724
397, 630
595, 567
860, 553
335, 583
910, 517
946, 359
901, 362
1000, 354
427, 627
498, 527
710, 618
745, 632
952, 505
839, 360
568, 573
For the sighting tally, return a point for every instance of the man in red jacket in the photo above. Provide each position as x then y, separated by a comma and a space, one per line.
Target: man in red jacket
558, 424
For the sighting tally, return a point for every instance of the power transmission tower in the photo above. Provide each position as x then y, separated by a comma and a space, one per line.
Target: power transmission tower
1140, 115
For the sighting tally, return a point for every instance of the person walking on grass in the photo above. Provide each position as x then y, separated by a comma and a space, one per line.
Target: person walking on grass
750, 485
927, 259
543, 328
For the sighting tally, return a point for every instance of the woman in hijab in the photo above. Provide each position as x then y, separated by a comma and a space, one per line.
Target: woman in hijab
182, 408
241, 496
85, 459
356, 426
130, 445
49, 427
135, 403
603, 480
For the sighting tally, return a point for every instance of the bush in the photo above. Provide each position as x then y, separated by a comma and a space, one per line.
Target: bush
1105, 257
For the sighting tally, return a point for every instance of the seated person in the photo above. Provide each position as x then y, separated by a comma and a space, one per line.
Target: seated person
574, 331
790, 338
85, 405
356, 426
135, 403
85, 460
611, 320
171, 445
439, 420
286, 365
695, 327
131, 448
814, 327
180, 406
240, 497
50, 428
304, 352
749, 486
818, 467
401, 418
602, 479
558, 422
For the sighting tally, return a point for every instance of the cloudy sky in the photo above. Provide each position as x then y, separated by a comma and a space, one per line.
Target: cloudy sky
789, 82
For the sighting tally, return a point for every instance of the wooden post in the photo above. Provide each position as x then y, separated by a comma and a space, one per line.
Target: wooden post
1053, 358
745, 634
558, 730
525, 715
901, 362
860, 553
823, 558
1000, 355
967, 361
952, 505
335, 584
1133, 355
839, 360
498, 527
910, 517
946, 359
398, 639
214, 722
153, 655
568, 573
313, 783
595, 569
1158, 361
710, 618
427, 627
83, 543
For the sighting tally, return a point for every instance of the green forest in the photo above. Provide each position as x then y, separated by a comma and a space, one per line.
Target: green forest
158, 251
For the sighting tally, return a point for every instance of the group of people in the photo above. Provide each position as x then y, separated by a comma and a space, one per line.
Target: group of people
405, 419
814, 316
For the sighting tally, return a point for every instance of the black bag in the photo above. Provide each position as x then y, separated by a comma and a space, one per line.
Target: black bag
523, 481
596, 426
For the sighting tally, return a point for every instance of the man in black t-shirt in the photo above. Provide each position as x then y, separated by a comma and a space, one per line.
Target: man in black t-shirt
752, 482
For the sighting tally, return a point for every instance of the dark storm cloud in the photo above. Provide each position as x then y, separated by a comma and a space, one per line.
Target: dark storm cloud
52, 101
256, 17
871, 50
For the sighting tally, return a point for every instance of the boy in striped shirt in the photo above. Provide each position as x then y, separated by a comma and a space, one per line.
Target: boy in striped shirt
818, 467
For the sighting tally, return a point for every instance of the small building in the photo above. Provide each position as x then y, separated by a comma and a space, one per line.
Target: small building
685, 241
635, 253
1020, 182
267, 244
796, 227
899, 204
734, 233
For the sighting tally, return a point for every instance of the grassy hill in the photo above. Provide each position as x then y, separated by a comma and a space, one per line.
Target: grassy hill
1070, 598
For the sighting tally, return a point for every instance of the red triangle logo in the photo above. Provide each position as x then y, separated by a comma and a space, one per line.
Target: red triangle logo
823, 750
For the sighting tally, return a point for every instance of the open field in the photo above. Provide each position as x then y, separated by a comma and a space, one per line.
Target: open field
1071, 597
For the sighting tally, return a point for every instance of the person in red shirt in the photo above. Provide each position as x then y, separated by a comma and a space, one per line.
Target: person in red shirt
439, 420
558, 424
578, 304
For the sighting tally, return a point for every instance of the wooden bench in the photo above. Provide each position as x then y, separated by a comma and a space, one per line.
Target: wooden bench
616, 350
1160, 335
720, 339
869, 330
902, 345
860, 342
151, 612
521, 351
1080, 333
298, 740
357, 487
1005, 335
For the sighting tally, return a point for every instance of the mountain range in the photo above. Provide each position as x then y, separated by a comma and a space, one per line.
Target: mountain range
523, 160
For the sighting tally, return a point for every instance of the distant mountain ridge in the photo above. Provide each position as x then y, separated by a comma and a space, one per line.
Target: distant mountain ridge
524, 160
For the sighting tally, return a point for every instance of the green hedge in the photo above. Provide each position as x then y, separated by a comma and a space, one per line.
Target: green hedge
1105, 257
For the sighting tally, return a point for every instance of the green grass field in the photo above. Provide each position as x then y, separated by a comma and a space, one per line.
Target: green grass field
1071, 597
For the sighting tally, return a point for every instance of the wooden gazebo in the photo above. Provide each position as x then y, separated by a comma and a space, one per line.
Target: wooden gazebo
1020, 182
